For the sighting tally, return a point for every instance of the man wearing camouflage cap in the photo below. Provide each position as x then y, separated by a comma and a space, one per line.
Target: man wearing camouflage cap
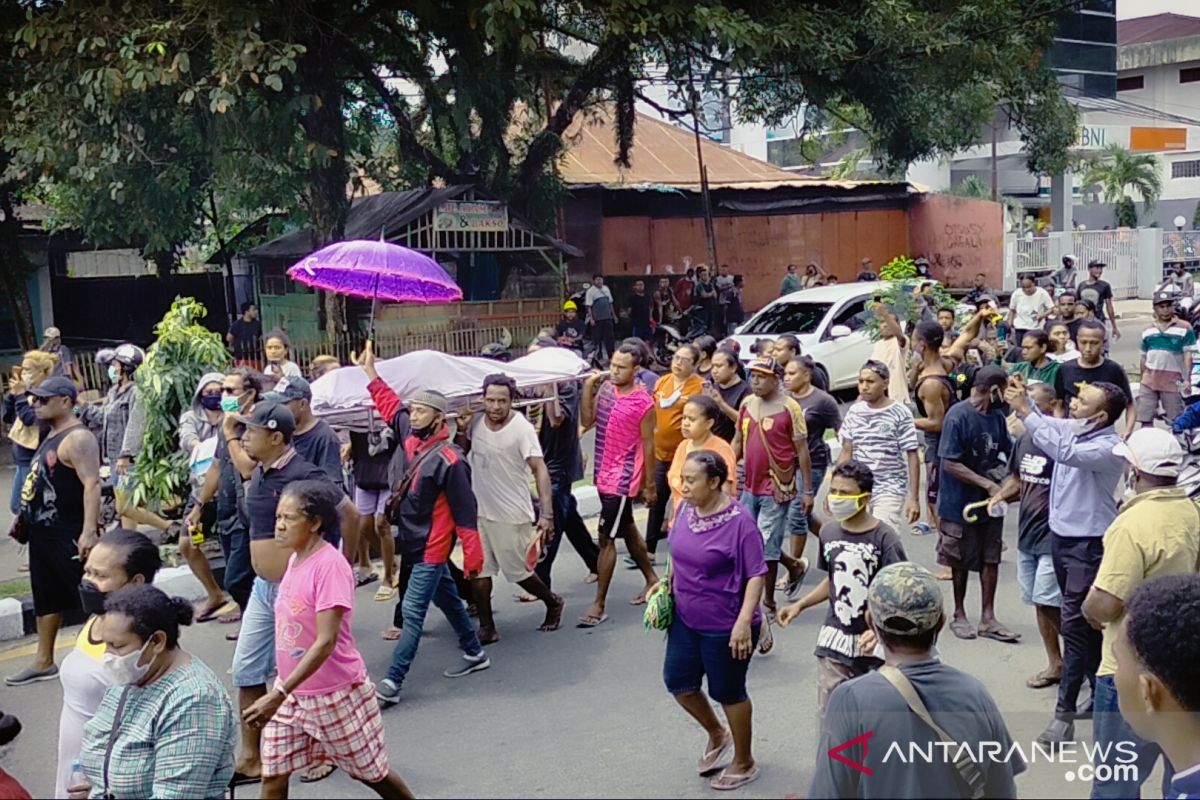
868, 718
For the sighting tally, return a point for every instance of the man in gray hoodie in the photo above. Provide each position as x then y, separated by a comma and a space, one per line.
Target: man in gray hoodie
197, 426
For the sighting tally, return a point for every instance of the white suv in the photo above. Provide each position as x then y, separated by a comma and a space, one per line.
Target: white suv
829, 321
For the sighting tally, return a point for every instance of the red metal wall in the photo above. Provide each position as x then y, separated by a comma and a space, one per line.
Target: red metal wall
959, 236
757, 247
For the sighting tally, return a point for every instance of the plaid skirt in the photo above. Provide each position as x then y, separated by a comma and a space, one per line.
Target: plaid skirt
344, 728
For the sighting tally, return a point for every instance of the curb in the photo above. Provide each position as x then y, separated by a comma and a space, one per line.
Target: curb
17, 619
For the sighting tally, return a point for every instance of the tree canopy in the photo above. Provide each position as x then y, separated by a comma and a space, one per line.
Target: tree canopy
150, 121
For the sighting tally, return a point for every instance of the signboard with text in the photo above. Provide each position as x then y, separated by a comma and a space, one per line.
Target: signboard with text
476, 215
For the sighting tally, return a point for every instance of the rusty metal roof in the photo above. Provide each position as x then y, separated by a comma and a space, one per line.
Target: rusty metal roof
1156, 28
664, 157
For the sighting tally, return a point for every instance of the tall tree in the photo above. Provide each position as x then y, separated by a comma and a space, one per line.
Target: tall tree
15, 268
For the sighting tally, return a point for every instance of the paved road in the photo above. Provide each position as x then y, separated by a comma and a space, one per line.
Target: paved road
584, 713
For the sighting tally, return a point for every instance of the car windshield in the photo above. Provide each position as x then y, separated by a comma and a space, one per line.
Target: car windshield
782, 318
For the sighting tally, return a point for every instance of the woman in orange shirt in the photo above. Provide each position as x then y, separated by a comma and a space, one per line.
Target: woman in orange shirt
671, 394
699, 414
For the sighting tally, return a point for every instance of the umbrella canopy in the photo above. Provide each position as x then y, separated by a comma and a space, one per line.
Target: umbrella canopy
370, 269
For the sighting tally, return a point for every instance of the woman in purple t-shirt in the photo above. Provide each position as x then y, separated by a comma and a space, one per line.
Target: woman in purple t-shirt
717, 570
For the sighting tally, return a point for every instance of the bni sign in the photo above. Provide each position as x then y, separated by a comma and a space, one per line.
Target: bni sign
473, 215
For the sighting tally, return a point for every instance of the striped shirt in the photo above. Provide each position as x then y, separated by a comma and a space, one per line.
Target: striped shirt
1162, 351
882, 439
174, 739
619, 457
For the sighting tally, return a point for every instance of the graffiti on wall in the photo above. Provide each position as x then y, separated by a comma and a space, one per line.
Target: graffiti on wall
1181, 245
958, 252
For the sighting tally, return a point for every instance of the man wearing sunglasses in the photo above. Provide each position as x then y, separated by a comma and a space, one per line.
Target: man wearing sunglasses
60, 515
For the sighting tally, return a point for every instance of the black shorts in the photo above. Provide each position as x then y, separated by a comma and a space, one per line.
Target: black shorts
615, 512
933, 472
970, 547
55, 570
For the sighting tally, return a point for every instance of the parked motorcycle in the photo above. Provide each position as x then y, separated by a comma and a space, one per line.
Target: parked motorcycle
670, 335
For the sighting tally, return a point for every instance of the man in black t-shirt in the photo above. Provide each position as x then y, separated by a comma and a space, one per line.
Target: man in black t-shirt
569, 331
1099, 292
1030, 470
557, 424
1093, 367
245, 336
854, 547
639, 311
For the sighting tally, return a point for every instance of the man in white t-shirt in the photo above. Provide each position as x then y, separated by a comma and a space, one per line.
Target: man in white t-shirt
504, 453
1027, 307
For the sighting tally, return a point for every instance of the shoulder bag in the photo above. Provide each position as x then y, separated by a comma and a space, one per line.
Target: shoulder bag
783, 481
969, 773
392, 507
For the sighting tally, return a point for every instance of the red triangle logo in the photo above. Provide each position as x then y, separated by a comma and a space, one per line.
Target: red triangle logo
836, 752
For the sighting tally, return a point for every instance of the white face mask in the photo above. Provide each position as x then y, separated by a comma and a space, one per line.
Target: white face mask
1082, 427
125, 670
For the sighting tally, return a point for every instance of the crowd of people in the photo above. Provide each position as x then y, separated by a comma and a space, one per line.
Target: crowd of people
728, 452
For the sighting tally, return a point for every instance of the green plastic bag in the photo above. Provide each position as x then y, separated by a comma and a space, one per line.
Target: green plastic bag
660, 605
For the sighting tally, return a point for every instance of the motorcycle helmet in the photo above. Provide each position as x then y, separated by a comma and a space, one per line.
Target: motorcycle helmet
1069, 257
105, 355
129, 356
496, 351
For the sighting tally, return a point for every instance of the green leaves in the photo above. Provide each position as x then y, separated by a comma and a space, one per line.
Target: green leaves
166, 381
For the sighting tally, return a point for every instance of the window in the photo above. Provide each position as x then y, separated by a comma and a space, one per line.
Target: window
854, 316
1132, 83
797, 318
1185, 169
1189, 75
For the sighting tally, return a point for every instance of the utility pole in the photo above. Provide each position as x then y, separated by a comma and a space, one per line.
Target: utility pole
709, 232
995, 177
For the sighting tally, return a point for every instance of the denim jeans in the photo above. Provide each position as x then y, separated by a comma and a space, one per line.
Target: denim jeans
1116, 743
771, 518
254, 655
430, 583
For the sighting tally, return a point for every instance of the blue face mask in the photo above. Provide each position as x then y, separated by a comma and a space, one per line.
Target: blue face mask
114, 374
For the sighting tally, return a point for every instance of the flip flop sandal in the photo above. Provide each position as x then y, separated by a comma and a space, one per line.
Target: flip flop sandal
1000, 635
212, 612
241, 779
711, 759
392, 634
384, 593
363, 580
767, 641
727, 781
524, 597
230, 618
232, 636
962, 629
590, 621
1041, 681
306, 779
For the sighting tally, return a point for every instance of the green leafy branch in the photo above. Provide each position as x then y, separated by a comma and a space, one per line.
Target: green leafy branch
166, 382
900, 294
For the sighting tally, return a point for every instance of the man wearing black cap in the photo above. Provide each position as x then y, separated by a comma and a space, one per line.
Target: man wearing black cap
1100, 293
882, 709
317, 444
1166, 364
974, 451
265, 455
60, 515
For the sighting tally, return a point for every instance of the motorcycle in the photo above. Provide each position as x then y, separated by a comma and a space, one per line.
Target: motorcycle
670, 335
1189, 475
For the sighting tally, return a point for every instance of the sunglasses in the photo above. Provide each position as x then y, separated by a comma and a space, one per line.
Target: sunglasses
34, 400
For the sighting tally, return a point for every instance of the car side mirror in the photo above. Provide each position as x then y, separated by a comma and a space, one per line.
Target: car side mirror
839, 331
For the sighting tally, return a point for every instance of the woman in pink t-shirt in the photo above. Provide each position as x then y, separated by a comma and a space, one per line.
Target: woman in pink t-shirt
323, 706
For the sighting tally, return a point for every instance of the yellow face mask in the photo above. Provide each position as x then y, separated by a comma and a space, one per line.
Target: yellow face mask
845, 506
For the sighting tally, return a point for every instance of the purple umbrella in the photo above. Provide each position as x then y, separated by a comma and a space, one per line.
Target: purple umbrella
376, 270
